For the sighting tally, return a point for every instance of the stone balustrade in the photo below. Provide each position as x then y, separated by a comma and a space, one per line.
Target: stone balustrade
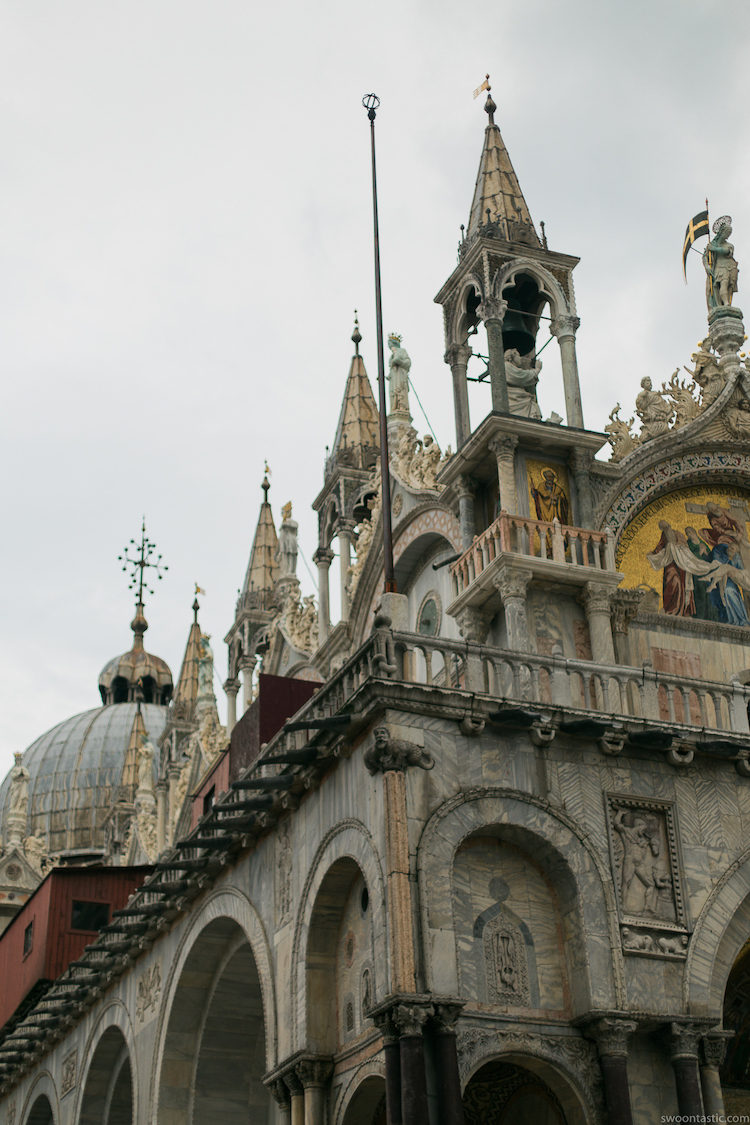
573, 547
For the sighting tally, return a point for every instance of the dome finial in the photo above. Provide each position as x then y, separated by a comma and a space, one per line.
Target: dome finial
356, 334
141, 560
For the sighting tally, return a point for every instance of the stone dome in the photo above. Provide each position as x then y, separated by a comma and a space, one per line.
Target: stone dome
79, 769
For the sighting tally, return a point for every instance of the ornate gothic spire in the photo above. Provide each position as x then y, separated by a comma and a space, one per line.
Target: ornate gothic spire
262, 569
498, 199
186, 692
357, 431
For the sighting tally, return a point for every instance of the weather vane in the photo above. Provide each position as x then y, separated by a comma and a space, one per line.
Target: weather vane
140, 561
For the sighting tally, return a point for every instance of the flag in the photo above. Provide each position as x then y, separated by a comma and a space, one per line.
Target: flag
485, 86
696, 228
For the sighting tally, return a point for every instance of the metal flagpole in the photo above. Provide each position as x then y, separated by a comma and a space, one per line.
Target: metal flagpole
371, 103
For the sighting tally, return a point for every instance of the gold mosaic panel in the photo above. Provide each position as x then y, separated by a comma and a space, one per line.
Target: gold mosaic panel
549, 492
690, 552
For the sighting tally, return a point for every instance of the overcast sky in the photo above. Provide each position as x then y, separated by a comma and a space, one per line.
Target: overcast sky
186, 230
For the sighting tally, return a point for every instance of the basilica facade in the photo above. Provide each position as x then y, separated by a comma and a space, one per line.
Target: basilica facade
474, 851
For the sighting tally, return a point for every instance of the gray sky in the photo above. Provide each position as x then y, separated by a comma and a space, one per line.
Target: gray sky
186, 229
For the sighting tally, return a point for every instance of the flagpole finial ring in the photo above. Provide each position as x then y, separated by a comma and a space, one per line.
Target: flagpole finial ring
371, 103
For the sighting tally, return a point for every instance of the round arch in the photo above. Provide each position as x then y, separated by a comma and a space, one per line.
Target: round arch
233, 907
363, 1100
41, 1106
115, 1024
349, 840
720, 933
537, 1085
108, 1091
568, 855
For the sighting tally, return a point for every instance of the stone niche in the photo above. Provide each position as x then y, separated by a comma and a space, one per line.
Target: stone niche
509, 933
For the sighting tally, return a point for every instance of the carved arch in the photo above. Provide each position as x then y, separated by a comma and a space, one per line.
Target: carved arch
43, 1086
549, 287
459, 329
558, 843
114, 1017
720, 933
348, 840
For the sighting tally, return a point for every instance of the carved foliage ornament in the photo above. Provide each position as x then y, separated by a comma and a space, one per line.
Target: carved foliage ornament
69, 1071
388, 753
149, 991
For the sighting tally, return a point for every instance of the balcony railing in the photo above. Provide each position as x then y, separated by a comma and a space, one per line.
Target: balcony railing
533, 539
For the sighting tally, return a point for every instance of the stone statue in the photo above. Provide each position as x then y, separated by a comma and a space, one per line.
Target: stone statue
286, 554
707, 375
686, 408
145, 759
35, 850
398, 376
19, 787
720, 266
205, 667
621, 436
522, 376
654, 411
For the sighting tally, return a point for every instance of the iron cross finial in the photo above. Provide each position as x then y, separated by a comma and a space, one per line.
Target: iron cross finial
141, 560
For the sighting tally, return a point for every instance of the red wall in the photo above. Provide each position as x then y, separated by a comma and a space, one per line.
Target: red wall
55, 943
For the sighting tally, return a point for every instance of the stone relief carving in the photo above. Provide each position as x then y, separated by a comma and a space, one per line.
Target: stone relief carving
417, 462
388, 753
620, 434
506, 962
298, 620
148, 992
68, 1073
646, 869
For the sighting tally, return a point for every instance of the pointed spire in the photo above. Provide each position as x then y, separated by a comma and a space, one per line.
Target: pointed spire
498, 198
138, 735
357, 430
186, 692
262, 569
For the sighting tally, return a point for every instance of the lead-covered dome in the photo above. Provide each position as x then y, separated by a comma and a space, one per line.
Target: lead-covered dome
78, 770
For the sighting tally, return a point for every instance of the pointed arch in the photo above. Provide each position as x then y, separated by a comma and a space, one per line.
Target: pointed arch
549, 287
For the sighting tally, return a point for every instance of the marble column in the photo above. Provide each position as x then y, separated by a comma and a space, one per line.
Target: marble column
564, 327
314, 1074
457, 356
512, 584
297, 1098
398, 882
684, 1040
410, 1019
466, 516
450, 1104
611, 1037
598, 602
492, 311
281, 1096
580, 464
323, 558
392, 1053
161, 813
504, 449
713, 1049
247, 667
231, 687
345, 530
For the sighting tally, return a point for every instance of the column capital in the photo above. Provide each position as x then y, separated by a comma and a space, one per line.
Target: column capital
279, 1091
445, 1014
512, 582
580, 460
503, 447
313, 1070
611, 1035
402, 1014
465, 487
597, 597
231, 685
625, 605
345, 526
473, 623
684, 1040
324, 556
714, 1045
457, 354
565, 325
247, 663
410, 1017
492, 308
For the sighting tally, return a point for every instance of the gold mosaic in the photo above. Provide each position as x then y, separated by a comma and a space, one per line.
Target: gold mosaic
690, 552
549, 492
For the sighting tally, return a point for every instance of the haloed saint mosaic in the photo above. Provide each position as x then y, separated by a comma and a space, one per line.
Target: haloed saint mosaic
690, 551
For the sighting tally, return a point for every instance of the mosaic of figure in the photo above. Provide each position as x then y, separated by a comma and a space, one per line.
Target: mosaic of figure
551, 499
